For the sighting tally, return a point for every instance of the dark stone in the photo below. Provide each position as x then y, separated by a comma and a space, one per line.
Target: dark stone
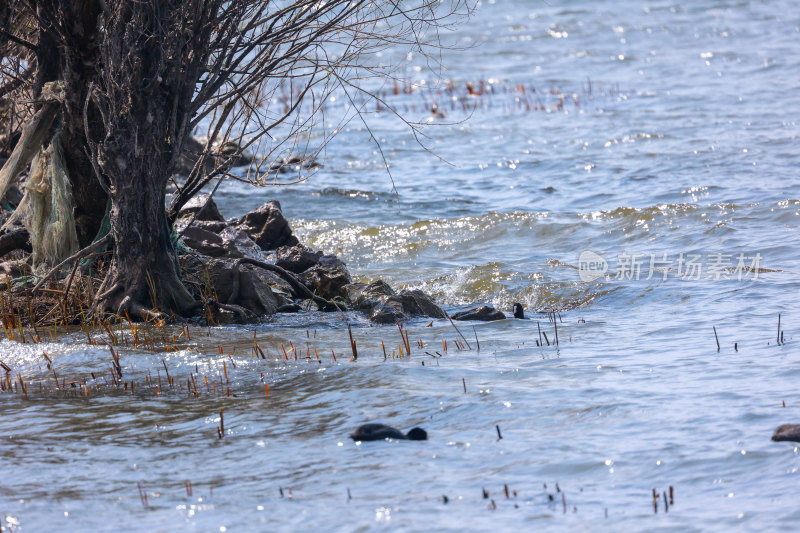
214, 226
241, 241
204, 206
255, 292
790, 432
267, 226
366, 296
385, 306
244, 285
294, 163
192, 148
388, 312
485, 314
222, 277
208, 243
327, 278
416, 302
289, 308
234, 149
297, 258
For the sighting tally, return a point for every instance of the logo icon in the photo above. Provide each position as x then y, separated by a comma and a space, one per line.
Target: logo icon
591, 266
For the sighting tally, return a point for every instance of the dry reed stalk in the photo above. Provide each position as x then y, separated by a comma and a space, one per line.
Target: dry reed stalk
352, 344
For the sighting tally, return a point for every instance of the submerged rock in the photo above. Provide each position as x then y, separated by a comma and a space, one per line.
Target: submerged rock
790, 432
267, 226
289, 308
385, 306
485, 313
388, 312
416, 302
366, 296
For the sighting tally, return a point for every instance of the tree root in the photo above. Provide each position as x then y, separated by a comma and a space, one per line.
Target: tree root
114, 300
131, 308
239, 311
15, 240
300, 290
128, 306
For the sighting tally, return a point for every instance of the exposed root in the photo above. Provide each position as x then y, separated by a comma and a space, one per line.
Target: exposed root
129, 307
301, 291
240, 312
15, 240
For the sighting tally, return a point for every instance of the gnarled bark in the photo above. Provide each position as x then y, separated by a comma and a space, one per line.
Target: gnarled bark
143, 275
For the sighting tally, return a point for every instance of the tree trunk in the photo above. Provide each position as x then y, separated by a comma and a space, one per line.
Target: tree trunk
79, 67
145, 83
143, 276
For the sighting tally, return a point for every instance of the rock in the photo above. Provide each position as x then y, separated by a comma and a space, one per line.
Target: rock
217, 239
388, 312
204, 206
246, 285
297, 258
255, 291
208, 243
790, 432
368, 296
294, 163
385, 306
416, 302
193, 147
327, 278
213, 226
241, 241
485, 314
242, 157
289, 308
267, 226
189, 156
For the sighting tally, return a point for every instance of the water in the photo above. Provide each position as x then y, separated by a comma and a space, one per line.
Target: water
686, 145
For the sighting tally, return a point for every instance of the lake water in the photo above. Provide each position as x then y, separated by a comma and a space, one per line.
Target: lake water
652, 134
